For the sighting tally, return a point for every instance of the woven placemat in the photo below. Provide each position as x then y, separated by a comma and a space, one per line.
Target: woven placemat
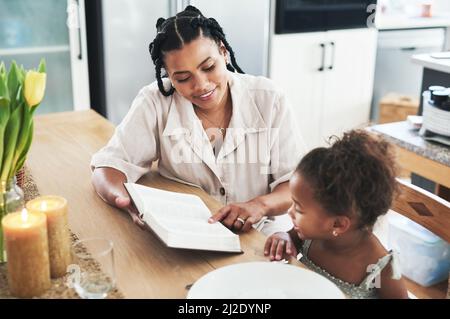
59, 288
448, 288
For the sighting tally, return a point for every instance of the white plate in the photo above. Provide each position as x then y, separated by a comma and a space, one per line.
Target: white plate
263, 280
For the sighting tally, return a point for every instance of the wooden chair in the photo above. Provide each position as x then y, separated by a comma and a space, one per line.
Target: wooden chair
433, 213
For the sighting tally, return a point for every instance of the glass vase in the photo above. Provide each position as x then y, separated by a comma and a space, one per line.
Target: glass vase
11, 200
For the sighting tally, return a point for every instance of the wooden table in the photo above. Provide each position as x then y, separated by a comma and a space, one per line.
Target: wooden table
59, 162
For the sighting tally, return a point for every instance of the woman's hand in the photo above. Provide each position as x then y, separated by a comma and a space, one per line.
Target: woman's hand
279, 246
108, 183
240, 216
124, 203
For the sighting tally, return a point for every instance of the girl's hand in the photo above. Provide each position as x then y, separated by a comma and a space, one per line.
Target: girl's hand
240, 216
279, 246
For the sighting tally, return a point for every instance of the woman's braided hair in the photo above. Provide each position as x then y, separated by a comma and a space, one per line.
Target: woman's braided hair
184, 27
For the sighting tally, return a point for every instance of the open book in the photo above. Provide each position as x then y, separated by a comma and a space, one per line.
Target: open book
181, 220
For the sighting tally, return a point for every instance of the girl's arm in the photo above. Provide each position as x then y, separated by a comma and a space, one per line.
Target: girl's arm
391, 288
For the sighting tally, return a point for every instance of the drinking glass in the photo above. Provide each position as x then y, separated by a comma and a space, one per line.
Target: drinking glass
93, 259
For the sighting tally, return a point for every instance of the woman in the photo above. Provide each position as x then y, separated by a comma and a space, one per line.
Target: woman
231, 134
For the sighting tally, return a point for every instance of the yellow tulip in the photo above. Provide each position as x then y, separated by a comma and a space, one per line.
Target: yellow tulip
34, 87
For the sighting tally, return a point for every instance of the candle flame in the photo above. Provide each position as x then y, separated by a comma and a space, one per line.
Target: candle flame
24, 215
44, 205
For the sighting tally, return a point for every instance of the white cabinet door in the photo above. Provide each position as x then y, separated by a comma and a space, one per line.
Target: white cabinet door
294, 67
52, 30
76, 24
348, 85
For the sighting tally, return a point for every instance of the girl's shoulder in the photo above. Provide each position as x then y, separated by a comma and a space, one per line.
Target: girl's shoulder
373, 250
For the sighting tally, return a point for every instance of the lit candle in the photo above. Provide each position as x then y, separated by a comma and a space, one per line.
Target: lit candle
25, 236
55, 208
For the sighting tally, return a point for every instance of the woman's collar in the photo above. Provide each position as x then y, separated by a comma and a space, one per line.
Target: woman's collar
246, 115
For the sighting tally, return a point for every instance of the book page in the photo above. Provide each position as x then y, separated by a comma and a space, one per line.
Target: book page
181, 220
196, 228
175, 210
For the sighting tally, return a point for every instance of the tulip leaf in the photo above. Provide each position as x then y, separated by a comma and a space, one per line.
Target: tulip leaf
2, 69
4, 93
11, 134
27, 120
42, 66
25, 150
13, 81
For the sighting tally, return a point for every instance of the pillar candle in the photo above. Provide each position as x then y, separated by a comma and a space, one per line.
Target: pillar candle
55, 208
25, 236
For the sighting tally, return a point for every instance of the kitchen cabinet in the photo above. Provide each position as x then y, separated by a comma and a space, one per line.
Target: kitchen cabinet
53, 30
327, 77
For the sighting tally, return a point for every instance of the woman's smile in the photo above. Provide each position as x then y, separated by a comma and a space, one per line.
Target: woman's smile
206, 96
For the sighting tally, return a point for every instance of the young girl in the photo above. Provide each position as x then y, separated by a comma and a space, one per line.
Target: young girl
338, 193
204, 123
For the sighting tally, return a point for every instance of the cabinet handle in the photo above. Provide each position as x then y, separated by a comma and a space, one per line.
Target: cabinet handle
409, 49
333, 49
322, 67
80, 48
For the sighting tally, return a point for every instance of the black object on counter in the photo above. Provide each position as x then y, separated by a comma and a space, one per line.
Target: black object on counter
435, 88
439, 97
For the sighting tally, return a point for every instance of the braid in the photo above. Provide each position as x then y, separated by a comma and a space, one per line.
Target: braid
217, 32
234, 64
158, 67
192, 9
182, 28
155, 53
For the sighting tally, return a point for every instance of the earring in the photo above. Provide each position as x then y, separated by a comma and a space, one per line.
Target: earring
335, 233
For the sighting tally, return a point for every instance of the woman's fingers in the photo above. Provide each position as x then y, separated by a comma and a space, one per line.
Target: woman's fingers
122, 202
125, 204
137, 220
230, 219
248, 224
221, 214
238, 225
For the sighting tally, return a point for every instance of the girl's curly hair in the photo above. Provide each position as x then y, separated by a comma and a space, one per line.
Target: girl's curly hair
354, 176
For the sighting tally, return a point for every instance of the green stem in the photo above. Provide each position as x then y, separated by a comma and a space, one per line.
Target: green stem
2, 214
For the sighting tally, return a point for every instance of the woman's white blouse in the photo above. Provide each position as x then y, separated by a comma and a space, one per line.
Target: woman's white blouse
261, 148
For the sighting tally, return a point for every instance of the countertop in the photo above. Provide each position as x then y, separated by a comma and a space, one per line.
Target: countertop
426, 60
391, 22
400, 134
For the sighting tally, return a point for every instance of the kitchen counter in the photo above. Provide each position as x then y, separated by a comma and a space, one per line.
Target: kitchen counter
392, 22
427, 61
427, 159
401, 135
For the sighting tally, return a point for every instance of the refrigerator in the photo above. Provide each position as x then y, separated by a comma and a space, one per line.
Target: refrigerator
53, 30
119, 57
